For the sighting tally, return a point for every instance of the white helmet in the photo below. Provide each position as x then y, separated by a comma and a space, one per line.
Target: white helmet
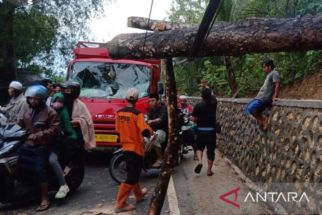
132, 94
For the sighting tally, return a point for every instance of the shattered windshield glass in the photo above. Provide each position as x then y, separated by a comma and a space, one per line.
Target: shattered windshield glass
110, 80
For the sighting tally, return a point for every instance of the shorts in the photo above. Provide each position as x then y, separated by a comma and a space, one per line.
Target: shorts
257, 106
204, 139
207, 139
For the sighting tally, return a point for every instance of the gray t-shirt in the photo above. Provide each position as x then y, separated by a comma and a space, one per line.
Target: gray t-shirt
267, 90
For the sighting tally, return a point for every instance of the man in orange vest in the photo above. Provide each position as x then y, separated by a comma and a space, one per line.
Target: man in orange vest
131, 128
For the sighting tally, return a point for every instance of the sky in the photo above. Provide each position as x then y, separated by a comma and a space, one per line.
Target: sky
114, 21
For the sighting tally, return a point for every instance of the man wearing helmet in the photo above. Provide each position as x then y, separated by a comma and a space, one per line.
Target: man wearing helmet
16, 103
81, 118
131, 127
42, 125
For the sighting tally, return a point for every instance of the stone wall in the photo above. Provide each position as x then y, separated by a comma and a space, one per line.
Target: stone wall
290, 151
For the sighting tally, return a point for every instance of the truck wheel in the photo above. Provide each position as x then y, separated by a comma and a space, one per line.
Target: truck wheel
117, 168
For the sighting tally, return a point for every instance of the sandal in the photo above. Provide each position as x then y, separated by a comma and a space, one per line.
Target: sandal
198, 168
43, 207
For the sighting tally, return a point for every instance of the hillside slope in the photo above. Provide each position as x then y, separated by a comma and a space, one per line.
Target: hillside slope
310, 87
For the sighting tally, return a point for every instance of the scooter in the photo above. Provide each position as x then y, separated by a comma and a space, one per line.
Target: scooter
117, 165
15, 188
3, 119
187, 136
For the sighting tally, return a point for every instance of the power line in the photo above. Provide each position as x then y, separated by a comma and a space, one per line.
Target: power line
146, 31
205, 25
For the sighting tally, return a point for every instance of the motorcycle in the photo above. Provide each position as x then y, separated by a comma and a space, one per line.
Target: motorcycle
187, 137
3, 119
13, 187
117, 165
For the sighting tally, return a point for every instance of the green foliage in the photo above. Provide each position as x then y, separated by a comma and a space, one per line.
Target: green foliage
187, 76
34, 33
42, 34
309, 7
187, 11
216, 76
248, 69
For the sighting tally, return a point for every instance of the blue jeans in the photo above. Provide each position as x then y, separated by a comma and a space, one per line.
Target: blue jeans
256, 106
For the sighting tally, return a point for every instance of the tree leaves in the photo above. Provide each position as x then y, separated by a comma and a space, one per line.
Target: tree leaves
247, 69
44, 32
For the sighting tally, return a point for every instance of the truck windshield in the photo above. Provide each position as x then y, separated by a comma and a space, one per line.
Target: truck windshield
110, 80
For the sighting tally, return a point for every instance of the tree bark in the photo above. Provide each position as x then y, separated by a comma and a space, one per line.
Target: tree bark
154, 25
225, 38
171, 152
8, 52
231, 76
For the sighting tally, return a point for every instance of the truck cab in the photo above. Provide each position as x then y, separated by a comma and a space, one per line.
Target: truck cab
104, 82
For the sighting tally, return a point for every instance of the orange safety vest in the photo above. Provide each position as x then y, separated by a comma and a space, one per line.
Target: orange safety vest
130, 124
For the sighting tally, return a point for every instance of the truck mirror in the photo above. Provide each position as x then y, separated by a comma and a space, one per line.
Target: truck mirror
160, 88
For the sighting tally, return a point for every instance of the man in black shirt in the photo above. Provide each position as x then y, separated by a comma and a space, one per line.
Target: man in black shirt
158, 121
204, 115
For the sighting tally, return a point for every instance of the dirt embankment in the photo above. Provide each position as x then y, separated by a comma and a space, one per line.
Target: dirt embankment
310, 87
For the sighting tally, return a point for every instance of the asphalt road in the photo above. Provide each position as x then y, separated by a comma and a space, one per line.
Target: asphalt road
95, 195
190, 193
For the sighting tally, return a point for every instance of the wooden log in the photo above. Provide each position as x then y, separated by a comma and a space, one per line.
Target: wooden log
154, 25
226, 38
171, 152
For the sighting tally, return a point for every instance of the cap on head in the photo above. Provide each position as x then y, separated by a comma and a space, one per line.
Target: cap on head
132, 94
16, 85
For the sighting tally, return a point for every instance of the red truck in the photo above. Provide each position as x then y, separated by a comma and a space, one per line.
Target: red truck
104, 82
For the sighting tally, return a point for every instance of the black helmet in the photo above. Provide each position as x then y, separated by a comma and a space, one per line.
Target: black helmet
74, 86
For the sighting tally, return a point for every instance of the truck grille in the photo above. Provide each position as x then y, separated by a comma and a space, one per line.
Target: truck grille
104, 126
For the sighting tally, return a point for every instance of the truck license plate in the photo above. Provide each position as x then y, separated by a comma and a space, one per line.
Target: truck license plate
106, 138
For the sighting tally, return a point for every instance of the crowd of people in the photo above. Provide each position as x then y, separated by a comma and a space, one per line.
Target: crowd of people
67, 125
56, 121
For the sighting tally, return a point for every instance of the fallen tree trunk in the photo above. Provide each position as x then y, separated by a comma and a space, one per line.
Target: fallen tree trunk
225, 38
161, 25
154, 25
171, 153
